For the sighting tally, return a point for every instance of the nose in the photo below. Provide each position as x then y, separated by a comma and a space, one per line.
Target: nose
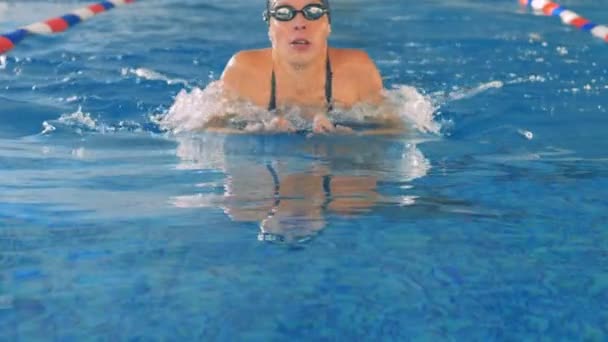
299, 22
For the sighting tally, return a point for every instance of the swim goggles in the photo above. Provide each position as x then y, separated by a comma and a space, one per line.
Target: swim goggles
287, 13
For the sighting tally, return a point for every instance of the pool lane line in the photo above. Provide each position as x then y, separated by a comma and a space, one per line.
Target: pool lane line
59, 24
568, 17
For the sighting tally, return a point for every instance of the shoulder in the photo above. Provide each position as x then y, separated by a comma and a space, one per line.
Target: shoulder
247, 63
251, 57
356, 69
352, 63
351, 58
245, 71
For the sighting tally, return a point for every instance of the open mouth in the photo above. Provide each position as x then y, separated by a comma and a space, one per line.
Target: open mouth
300, 42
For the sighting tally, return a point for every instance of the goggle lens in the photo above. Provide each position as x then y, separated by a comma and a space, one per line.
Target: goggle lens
287, 13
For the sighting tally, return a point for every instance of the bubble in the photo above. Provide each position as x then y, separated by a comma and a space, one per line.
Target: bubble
526, 134
47, 128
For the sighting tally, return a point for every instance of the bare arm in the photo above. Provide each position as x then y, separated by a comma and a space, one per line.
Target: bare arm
237, 86
242, 76
231, 79
369, 80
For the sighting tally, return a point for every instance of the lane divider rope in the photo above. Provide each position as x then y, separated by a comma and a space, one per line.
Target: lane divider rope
568, 17
59, 24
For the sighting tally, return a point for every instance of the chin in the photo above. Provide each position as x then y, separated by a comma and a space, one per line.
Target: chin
301, 58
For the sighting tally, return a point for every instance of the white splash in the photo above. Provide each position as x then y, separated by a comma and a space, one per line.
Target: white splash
467, 93
152, 75
47, 128
3, 62
194, 110
80, 122
414, 108
78, 119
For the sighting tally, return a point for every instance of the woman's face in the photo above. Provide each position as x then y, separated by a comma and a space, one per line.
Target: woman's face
300, 41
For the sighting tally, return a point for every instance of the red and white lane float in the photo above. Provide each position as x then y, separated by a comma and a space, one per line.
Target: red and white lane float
568, 17
59, 24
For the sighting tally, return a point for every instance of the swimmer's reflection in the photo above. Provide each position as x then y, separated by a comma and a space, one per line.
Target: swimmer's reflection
302, 200
290, 185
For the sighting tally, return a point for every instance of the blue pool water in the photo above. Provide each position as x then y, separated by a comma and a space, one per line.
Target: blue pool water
485, 222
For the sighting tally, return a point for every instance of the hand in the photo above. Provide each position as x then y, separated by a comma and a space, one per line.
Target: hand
321, 124
280, 124
344, 129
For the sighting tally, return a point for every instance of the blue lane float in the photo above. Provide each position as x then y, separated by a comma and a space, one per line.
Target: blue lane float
59, 24
568, 17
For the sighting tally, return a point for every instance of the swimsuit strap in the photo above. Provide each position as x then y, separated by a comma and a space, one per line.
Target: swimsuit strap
271, 237
265, 236
328, 85
272, 104
276, 182
327, 192
326, 183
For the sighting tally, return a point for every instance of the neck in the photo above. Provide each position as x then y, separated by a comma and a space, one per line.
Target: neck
301, 75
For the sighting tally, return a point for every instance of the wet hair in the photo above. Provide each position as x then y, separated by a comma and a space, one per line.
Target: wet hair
268, 4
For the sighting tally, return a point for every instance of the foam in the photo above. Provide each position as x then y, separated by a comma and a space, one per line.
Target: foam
80, 122
468, 93
151, 75
193, 110
78, 119
47, 128
414, 108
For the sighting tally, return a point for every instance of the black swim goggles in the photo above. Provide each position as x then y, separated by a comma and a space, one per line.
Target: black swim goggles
287, 13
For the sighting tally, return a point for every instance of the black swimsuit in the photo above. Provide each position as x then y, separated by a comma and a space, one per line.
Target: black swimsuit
266, 236
277, 189
272, 104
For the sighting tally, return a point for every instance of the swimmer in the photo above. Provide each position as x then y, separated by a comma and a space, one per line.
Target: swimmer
301, 70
